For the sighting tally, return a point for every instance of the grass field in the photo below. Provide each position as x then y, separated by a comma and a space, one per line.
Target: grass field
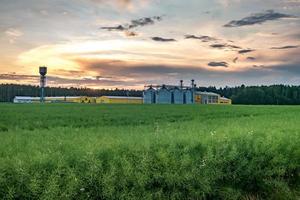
77, 151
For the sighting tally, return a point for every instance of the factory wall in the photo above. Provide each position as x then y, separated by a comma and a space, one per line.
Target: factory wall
119, 100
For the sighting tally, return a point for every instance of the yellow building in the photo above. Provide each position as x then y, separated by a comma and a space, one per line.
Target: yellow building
119, 100
87, 100
224, 100
210, 98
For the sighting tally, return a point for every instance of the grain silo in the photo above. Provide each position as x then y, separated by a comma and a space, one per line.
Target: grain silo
149, 96
163, 96
188, 96
177, 96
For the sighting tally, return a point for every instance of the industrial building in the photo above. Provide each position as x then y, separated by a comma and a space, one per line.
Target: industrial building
81, 99
24, 99
170, 94
119, 100
153, 94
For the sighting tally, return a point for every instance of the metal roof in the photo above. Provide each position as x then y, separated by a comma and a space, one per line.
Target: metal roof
122, 97
208, 93
224, 98
33, 98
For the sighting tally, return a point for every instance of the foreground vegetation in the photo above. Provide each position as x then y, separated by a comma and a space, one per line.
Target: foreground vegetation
149, 152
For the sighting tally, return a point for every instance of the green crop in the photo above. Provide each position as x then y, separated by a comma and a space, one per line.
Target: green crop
78, 151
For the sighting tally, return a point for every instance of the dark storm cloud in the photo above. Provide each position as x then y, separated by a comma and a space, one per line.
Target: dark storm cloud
218, 64
291, 68
160, 39
146, 73
203, 38
258, 18
134, 24
286, 47
244, 51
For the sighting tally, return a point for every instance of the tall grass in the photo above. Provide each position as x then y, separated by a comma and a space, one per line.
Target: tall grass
149, 152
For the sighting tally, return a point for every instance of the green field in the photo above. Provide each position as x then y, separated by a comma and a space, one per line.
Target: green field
78, 151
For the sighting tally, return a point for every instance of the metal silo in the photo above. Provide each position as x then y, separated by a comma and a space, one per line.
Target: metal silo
163, 96
177, 96
149, 96
188, 96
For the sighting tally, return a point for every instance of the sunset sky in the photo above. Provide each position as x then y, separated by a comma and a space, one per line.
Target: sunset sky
130, 43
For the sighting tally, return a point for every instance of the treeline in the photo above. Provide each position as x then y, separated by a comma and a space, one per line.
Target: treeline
9, 91
256, 95
260, 95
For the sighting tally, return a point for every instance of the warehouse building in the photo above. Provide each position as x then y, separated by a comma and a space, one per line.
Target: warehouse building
207, 98
119, 100
66, 99
224, 100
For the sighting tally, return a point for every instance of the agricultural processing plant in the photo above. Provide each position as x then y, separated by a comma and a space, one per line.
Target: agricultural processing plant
149, 100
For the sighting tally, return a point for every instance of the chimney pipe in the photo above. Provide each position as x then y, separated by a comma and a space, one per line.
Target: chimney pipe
193, 83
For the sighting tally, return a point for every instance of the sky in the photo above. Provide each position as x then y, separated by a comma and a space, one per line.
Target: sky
131, 43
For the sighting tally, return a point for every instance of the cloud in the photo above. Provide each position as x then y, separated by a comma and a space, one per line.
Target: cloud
203, 38
134, 24
15, 77
251, 58
218, 64
287, 47
123, 5
258, 18
244, 51
235, 59
114, 28
13, 34
131, 33
289, 68
144, 21
160, 39
57, 80
223, 46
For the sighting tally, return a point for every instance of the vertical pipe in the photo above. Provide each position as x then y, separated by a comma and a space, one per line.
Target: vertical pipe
42, 86
193, 86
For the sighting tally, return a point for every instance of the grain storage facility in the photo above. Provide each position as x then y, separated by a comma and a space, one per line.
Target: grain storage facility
119, 100
170, 94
